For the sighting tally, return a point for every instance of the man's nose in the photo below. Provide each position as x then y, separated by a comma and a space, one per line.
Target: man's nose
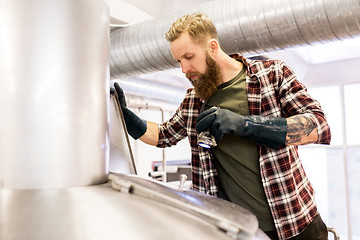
185, 68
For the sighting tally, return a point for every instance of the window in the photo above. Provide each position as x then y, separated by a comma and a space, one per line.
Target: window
353, 164
352, 113
329, 98
334, 170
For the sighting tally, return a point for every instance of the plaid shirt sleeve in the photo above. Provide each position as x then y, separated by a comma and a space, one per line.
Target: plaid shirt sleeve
273, 90
282, 95
295, 100
173, 130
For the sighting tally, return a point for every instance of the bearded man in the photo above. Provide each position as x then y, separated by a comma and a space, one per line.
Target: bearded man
262, 114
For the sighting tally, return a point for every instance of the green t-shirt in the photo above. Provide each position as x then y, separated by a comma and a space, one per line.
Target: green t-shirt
237, 159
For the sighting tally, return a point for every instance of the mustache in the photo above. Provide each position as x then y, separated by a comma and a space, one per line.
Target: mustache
190, 75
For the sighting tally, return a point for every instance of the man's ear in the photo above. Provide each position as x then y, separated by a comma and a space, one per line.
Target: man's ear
213, 47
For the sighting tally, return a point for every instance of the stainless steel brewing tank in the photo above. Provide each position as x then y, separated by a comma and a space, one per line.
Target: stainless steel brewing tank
128, 208
53, 93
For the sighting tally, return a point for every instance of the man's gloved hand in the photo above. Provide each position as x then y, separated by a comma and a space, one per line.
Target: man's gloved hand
267, 131
135, 126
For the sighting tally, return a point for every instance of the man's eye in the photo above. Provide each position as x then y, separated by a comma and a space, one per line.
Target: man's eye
188, 58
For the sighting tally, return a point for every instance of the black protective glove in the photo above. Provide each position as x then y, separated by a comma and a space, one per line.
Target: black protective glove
267, 131
135, 126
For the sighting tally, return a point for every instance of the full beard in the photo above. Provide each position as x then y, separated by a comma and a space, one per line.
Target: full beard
207, 84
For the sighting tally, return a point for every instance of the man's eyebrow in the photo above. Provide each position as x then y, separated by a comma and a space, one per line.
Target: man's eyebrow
182, 56
187, 53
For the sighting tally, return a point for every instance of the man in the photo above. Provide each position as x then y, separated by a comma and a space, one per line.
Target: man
261, 114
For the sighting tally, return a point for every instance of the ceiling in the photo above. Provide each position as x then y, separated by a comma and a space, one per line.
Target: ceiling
324, 63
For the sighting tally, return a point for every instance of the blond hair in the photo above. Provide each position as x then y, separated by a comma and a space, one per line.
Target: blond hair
198, 25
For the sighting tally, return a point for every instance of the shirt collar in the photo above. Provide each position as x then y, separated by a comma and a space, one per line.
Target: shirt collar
251, 69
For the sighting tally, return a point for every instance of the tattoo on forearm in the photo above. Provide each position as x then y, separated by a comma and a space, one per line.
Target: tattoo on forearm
298, 127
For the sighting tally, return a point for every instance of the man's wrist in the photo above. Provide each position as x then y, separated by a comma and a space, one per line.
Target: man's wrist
135, 126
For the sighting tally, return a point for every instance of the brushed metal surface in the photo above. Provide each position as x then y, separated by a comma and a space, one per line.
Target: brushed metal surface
230, 218
53, 93
96, 212
121, 159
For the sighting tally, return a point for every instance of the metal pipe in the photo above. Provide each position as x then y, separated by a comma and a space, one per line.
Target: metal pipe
163, 161
53, 93
247, 27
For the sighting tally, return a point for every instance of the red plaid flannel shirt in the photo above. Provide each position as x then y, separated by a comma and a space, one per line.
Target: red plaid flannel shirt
273, 90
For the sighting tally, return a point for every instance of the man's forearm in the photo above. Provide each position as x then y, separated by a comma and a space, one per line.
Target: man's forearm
151, 136
301, 130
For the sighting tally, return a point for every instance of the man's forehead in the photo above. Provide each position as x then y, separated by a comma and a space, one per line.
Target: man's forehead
184, 47
182, 50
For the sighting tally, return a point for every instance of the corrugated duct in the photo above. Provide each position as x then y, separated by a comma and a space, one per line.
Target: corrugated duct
247, 27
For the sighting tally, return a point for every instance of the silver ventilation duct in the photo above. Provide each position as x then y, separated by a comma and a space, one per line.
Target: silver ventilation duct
247, 27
